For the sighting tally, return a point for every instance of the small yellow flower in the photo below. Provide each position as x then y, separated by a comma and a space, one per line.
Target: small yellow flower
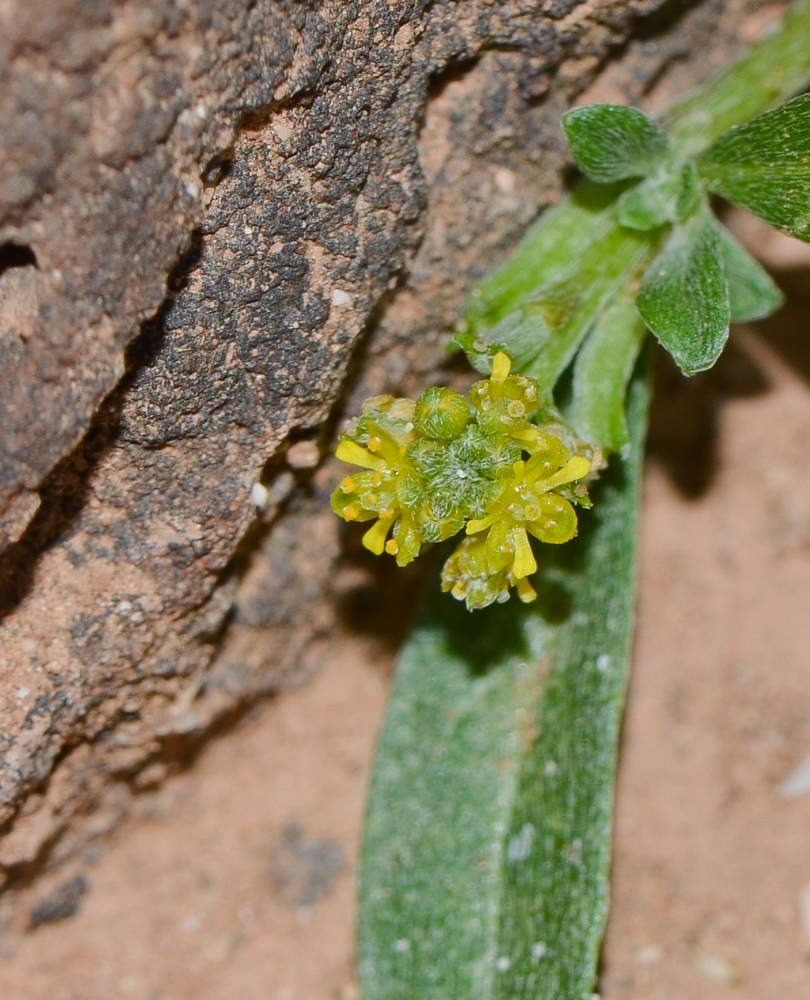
384, 492
429, 467
505, 402
499, 554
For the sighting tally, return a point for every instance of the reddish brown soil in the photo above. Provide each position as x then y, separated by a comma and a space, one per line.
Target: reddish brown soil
235, 880
711, 863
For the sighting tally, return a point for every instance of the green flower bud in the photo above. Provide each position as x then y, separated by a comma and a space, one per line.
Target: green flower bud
441, 414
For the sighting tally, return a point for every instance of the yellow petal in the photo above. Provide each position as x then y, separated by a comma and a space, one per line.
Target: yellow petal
351, 452
557, 522
524, 564
409, 539
528, 435
526, 591
574, 469
374, 538
501, 366
473, 527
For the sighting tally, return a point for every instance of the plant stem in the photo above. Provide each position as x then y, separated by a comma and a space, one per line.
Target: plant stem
774, 70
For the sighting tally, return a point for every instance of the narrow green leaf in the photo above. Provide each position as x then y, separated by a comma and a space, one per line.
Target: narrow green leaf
611, 142
561, 235
684, 295
690, 195
764, 166
485, 859
556, 889
752, 292
543, 335
602, 370
521, 334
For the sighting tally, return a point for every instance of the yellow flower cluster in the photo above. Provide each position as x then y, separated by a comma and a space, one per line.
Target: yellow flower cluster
438, 464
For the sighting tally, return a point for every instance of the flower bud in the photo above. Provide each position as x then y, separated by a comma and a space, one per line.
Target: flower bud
441, 414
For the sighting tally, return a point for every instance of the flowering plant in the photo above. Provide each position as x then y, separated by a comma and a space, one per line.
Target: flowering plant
487, 841
443, 463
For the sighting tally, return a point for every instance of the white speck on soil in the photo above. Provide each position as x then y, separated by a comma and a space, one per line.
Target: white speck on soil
797, 782
259, 496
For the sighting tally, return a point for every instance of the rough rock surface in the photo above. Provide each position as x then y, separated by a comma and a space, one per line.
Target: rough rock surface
202, 209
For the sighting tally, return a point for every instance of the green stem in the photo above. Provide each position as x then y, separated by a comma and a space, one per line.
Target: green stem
771, 72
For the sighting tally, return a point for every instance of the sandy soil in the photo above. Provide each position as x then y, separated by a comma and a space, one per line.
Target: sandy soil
235, 879
712, 870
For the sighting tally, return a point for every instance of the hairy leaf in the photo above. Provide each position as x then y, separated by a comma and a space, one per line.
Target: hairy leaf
544, 333
611, 142
684, 295
764, 166
670, 195
752, 292
543, 255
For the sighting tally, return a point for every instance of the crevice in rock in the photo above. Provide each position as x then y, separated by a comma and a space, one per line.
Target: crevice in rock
15, 255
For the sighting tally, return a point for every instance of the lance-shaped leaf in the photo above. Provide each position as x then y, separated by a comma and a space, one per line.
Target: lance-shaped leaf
764, 166
487, 844
752, 293
542, 335
611, 142
684, 295
543, 255
601, 373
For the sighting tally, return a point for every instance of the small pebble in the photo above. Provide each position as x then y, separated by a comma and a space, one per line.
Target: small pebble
303, 455
650, 955
797, 783
718, 969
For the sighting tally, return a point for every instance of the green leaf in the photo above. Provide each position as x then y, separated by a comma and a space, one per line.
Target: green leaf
684, 295
544, 254
751, 290
764, 166
672, 194
611, 142
651, 203
542, 335
690, 196
602, 370
487, 844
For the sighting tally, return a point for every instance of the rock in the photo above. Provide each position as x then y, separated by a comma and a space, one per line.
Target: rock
61, 904
203, 207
